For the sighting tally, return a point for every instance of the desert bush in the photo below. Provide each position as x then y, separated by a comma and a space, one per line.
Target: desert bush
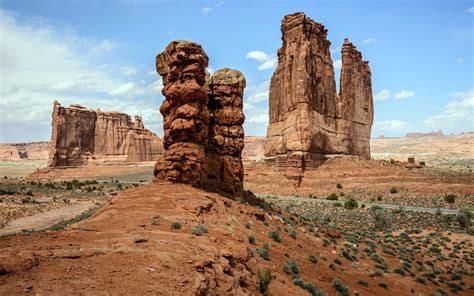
351, 204
251, 239
332, 196
464, 218
263, 252
340, 287
264, 278
363, 283
383, 285
291, 267
393, 190
275, 235
337, 204
293, 234
338, 186
313, 259
450, 198
155, 220
379, 198
199, 230
176, 225
381, 220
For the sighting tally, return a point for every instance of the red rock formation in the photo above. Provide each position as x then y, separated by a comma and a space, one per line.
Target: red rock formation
226, 140
203, 134
185, 113
80, 135
307, 119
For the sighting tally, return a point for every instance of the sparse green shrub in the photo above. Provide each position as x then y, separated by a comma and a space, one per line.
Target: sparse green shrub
313, 259
363, 283
199, 230
293, 234
379, 198
450, 198
351, 204
464, 218
393, 190
155, 220
263, 251
383, 285
251, 239
332, 196
381, 220
339, 186
337, 204
29, 193
340, 287
291, 267
264, 278
176, 225
275, 235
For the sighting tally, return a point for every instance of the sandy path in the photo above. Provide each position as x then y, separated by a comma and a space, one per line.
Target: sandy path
46, 219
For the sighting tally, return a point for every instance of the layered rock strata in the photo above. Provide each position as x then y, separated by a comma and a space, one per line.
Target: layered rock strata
308, 120
203, 134
226, 141
81, 135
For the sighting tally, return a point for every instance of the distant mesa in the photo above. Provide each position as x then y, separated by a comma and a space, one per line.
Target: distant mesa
81, 136
437, 133
202, 121
308, 119
24, 151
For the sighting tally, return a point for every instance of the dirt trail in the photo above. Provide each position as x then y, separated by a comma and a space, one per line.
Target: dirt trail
47, 219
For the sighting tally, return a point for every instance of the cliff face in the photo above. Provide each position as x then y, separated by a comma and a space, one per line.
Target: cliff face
307, 119
202, 115
80, 135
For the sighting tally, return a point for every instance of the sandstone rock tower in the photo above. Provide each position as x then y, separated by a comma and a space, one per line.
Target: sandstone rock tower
307, 118
203, 134
80, 135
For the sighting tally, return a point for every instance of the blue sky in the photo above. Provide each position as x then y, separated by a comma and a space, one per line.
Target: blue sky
101, 54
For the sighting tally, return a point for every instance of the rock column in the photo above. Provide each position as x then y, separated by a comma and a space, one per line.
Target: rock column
226, 140
185, 113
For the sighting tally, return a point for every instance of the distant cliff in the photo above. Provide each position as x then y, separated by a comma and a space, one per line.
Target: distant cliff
80, 135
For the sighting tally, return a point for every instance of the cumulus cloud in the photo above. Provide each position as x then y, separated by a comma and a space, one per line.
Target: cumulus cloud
69, 69
471, 10
404, 94
207, 9
259, 118
384, 94
457, 113
367, 41
258, 93
390, 125
459, 60
266, 61
337, 64
128, 71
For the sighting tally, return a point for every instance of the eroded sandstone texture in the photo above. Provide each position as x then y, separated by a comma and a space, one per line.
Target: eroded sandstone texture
203, 134
226, 134
80, 135
308, 120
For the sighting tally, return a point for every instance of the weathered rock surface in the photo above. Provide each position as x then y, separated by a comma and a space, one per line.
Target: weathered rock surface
307, 119
80, 135
24, 151
203, 134
226, 140
185, 113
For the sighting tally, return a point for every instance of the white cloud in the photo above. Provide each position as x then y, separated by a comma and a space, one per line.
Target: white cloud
258, 93
129, 71
384, 94
259, 118
335, 49
266, 61
367, 41
207, 9
42, 63
471, 10
404, 94
457, 112
459, 60
337, 64
156, 86
390, 125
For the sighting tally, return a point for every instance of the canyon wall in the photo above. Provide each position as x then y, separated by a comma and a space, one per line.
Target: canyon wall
81, 135
202, 115
308, 120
